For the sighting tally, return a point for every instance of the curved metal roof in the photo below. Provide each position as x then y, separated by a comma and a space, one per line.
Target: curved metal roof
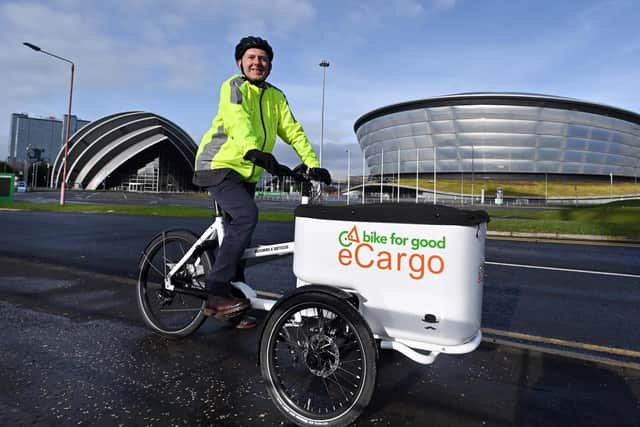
102, 146
502, 98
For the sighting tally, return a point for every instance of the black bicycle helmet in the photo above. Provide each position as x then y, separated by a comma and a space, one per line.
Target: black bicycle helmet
253, 42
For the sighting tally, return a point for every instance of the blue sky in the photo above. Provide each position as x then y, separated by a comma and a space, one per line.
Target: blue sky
169, 57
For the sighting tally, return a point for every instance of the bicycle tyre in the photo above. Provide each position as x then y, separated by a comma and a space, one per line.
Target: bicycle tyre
333, 355
172, 314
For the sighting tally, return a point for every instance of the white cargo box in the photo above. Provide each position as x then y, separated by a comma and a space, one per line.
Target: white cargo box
418, 269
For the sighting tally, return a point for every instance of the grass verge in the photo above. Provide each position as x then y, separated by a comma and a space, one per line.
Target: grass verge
614, 219
173, 211
529, 188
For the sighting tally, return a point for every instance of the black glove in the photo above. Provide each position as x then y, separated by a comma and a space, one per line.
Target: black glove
267, 162
283, 171
320, 174
301, 169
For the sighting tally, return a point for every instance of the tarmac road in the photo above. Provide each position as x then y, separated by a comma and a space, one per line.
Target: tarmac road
602, 309
73, 349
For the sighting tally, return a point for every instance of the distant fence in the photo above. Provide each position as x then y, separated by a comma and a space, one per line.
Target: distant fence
451, 199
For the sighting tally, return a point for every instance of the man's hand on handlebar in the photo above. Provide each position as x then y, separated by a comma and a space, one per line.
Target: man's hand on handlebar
283, 170
268, 162
320, 174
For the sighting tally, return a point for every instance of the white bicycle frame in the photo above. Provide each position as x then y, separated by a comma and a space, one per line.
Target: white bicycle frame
216, 231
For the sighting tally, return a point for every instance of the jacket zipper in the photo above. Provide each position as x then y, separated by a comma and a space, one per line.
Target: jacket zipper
264, 128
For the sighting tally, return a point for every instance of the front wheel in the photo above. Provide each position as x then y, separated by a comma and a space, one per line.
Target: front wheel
177, 313
318, 359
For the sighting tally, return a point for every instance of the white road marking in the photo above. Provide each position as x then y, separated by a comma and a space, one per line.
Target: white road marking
570, 270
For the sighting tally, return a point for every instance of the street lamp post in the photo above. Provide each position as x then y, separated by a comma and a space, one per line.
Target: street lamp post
417, 170
324, 64
435, 189
473, 194
381, 171
348, 176
546, 189
610, 184
398, 186
66, 138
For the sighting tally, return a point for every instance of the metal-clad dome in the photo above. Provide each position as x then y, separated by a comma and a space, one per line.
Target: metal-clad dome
501, 133
118, 144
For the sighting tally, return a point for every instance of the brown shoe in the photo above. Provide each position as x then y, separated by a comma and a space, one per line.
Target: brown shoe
220, 306
244, 322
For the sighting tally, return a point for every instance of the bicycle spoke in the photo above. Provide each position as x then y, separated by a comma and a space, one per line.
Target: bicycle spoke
287, 338
326, 386
154, 268
352, 376
305, 336
335, 381
164, 254
348, 346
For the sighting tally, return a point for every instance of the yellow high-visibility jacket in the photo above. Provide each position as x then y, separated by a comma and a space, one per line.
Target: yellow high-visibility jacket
249, 118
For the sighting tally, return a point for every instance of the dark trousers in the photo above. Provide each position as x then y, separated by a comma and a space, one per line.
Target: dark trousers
235, 197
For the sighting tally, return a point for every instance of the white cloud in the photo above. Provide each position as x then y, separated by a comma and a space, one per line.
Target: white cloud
414, 8
132, 48
236, 18
375, 12
121, 43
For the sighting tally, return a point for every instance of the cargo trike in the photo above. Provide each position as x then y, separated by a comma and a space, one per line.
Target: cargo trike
405, 277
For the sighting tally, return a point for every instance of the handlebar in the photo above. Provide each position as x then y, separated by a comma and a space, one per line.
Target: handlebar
299, 173
301, 176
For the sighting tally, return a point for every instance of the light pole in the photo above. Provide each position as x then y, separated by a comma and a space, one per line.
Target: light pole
461, 183
417, 170
546, 189
610, 184
381, 171
324, 64
364, 152
398, 186
66, 138
473, 194
348, 175
435, 190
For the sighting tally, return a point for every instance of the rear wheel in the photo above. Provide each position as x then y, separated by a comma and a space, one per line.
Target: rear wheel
318, 359
176, 313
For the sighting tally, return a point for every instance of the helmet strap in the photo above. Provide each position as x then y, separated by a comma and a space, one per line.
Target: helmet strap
261, 84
